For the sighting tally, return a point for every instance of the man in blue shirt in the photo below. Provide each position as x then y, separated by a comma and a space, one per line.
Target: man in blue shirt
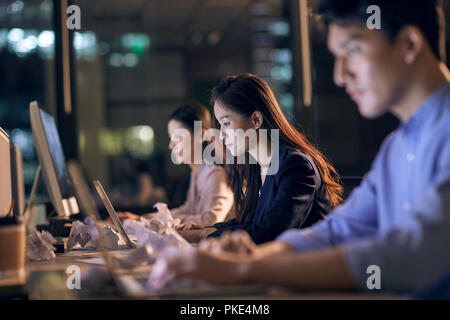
396, 224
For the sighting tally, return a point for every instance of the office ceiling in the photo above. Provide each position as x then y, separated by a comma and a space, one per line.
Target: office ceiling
163, 18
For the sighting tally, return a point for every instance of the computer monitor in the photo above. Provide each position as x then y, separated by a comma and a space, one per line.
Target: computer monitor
52, 161
5, 174
82, 191
18, 187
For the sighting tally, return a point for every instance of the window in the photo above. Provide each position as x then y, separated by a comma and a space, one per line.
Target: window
26, 72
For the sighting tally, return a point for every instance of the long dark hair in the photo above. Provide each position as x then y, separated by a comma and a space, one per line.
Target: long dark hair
244, 94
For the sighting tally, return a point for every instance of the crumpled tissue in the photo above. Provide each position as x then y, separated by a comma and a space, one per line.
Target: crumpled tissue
170, 238
140, 256
153, 236
86, 234
162, 278
40, 246
160, 223
130, 225
158, 232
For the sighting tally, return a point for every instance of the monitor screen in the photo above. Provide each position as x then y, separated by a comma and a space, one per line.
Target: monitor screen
59, 161
52, 161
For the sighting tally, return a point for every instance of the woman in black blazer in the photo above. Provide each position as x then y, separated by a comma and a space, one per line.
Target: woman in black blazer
294, 197
290, 184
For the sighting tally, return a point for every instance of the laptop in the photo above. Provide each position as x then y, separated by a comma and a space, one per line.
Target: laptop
87, 203
112, 213
131, 285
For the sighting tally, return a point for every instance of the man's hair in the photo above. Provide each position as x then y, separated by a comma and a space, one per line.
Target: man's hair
427, 15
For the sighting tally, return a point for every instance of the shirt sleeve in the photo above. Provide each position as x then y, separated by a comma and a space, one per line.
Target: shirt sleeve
217, 199
356, 218
290, 206
188, 206
411, 257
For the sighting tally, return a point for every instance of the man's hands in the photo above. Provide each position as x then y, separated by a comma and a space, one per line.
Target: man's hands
226, 260
223, 260
238, 242
196, 264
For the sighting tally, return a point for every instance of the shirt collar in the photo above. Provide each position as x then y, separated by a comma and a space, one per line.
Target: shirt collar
427, 111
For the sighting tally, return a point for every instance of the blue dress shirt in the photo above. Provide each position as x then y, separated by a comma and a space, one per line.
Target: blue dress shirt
399, 217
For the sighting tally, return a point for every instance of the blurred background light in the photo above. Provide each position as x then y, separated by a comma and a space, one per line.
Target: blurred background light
139, 141
279, 28
15, 34
26, 45
46, 39
24, 140
15, 7
82, 141
287, 101
281, 56
137, 42
111, 142
282, 73
130, 60
213, 38
85, 44
115, 59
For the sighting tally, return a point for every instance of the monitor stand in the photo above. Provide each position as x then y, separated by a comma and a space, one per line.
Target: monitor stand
58, 226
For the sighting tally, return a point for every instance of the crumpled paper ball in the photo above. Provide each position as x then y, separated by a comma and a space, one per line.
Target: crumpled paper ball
110, 237
40, 246
164, 216
86, 234
130, 225
158, 232
139, 257
145, 236
161, 223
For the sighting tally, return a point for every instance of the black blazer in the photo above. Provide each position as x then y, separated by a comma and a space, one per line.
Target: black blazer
294, 197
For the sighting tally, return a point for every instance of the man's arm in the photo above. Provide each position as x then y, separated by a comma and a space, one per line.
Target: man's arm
413, 256
325, 269
271, 249
356, 218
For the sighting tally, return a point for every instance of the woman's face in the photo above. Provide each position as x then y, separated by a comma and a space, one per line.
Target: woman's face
180, 144
230, 123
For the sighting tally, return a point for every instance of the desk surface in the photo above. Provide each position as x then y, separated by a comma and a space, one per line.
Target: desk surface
47, 280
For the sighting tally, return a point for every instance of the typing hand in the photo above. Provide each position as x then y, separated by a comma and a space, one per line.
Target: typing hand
189, 226
195, 264
238, 242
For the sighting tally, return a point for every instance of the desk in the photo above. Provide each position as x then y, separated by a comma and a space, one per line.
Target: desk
47, 280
